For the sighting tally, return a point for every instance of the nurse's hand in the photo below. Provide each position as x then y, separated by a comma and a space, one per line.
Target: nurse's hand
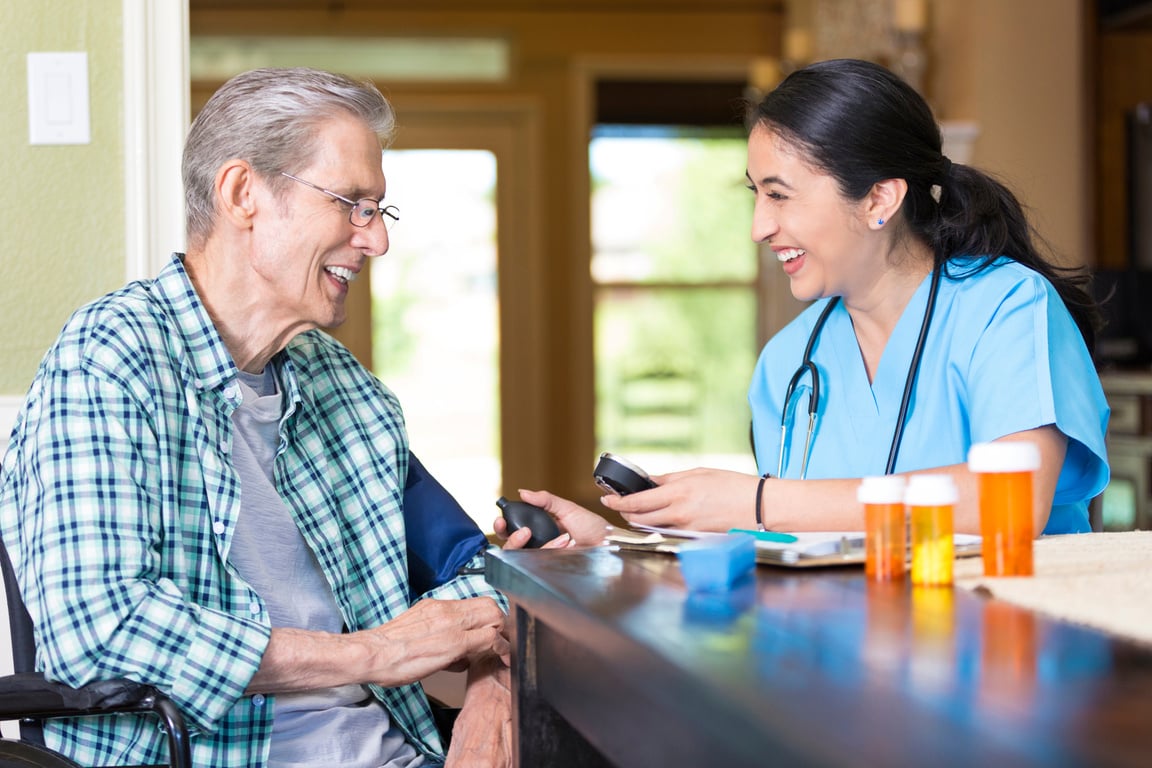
696, 499
583, 527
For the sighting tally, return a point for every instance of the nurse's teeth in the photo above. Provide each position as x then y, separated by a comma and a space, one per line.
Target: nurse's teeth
787, 254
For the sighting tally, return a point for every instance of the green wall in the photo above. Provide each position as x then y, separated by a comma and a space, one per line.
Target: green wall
61, 207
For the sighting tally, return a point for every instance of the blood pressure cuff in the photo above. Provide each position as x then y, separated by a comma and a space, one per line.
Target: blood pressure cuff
441, 537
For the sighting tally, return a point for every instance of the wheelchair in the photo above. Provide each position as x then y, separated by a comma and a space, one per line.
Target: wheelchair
28, 697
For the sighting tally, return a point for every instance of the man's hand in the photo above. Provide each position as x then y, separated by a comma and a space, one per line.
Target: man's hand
482, 736
433, 635
584, 528
430, 636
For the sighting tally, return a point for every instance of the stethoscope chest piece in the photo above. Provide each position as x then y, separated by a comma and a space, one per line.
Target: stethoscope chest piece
808, 367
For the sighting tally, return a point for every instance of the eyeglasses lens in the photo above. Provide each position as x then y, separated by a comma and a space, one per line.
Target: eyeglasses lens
365, 209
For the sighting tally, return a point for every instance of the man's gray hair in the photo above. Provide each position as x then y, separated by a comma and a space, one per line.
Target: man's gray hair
270, 118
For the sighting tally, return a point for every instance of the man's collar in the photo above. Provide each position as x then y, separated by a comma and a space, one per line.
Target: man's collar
205, 354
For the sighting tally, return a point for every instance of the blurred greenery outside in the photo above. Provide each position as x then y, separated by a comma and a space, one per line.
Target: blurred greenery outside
675, 314
435, 317
391, 343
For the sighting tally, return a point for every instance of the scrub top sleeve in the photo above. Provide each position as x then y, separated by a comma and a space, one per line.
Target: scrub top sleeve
1009, 389
1081, 409
1030, 368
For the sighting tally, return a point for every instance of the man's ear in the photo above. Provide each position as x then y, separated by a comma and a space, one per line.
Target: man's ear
883, 201
235, 194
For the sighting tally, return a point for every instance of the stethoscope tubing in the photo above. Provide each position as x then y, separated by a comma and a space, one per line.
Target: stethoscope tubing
809, 367
913, 372
806, 366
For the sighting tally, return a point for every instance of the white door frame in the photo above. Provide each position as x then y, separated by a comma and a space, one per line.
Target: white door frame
156, 118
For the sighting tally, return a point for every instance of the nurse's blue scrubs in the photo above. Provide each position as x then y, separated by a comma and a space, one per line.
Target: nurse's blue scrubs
1003, 355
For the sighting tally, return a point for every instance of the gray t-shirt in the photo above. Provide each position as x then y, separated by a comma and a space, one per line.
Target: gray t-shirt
343, 726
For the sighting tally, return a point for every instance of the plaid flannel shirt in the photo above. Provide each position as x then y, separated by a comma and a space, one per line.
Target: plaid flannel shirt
118, 502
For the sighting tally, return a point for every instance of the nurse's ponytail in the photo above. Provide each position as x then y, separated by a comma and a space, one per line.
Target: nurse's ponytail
861, 124
979, 216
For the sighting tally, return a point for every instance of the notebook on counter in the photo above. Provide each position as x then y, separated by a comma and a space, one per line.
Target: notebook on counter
794, 550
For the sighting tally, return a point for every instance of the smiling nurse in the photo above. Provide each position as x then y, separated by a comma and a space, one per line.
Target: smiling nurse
936, 323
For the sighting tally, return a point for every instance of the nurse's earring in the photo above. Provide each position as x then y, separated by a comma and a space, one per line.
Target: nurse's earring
879, 222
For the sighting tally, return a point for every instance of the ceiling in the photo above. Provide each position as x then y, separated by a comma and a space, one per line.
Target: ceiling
622, 6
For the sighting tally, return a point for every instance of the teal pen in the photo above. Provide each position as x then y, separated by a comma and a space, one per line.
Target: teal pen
779, 538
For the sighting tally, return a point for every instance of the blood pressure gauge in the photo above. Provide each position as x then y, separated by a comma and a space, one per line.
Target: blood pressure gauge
616, 474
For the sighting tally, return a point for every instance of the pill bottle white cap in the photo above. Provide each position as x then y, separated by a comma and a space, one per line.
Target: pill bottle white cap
883, 489
930, 491
1004, 456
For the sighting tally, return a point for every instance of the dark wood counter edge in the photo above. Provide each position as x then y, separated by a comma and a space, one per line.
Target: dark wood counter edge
784, 725
553, 618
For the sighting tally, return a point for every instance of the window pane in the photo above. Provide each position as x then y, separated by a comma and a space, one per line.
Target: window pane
435, 338
1118, 511
674, 269
672, 369
670, 208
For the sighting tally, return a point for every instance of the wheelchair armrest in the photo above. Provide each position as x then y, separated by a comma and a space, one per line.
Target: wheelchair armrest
29, 695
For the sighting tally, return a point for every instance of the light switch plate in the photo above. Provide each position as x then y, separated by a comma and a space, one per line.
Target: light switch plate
58, 98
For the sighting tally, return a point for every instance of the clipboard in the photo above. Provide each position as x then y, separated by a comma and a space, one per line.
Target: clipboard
817, 549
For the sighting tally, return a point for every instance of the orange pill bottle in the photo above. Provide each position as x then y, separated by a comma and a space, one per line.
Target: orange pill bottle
885, 526
1005, 472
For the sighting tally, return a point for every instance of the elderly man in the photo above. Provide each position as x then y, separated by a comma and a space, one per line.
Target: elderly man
204, 492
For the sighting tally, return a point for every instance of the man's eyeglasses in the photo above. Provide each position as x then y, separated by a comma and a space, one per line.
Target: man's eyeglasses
363, 210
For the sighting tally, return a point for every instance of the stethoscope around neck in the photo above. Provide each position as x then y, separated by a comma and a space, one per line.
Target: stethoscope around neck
808, 367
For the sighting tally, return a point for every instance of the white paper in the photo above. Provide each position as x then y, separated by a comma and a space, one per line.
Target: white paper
679, 533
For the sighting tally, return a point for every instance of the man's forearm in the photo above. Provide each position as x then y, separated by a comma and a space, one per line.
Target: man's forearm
302, 660
430, 636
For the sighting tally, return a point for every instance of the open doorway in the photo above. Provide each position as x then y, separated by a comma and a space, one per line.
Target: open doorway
435, 317
675, 274
445, 318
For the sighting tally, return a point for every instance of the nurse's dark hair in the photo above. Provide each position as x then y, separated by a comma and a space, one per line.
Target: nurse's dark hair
271, 118
860, 123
